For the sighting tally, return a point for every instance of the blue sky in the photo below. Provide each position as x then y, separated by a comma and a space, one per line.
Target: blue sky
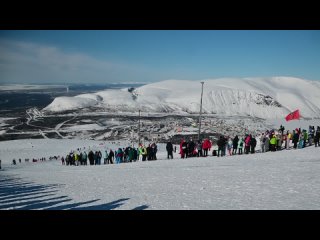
148, 56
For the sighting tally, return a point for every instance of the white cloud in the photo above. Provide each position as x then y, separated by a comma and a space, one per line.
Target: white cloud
23, 62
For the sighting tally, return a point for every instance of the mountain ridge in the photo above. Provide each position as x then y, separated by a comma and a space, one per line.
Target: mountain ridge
267, 97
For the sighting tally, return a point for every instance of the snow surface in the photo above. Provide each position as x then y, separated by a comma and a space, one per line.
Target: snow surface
272, 97
287, 179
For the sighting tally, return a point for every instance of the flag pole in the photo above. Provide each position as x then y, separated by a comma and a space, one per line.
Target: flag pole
299, 119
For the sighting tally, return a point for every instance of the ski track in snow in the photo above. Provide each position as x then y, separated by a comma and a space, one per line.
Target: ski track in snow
287, 179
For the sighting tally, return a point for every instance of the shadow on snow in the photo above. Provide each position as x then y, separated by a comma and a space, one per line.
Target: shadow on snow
21, 195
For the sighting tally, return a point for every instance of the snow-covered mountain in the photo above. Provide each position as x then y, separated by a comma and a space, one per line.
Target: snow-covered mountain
272, 97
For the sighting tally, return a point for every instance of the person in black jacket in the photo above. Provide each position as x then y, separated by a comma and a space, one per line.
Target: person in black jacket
91, 157
235, 145
317, 137
169, 148
110, 157
295, 139
253, 144
191, 147
221, 144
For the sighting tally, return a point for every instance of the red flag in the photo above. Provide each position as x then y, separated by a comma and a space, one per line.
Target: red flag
293, 115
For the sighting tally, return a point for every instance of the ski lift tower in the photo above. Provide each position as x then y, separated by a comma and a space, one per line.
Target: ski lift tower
139, 129
200, 110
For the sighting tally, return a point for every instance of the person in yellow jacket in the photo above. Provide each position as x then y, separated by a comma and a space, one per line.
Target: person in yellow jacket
76, 158
288, 138
273, 143
143, 152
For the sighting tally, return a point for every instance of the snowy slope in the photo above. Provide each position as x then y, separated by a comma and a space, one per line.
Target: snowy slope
271, 97
287, 179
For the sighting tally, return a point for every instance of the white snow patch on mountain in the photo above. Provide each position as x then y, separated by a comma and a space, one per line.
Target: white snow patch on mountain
71, 103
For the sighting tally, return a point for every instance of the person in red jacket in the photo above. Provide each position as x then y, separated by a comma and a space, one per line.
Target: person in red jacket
183, 149
205, 146
247, 144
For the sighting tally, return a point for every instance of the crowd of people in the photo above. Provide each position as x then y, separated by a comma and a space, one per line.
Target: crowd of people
271, 140
121, 155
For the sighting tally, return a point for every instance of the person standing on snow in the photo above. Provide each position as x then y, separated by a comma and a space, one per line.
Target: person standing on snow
91, 157
253, 143
191, 147
295, 139
305, 138
310, 135
183, 149
240, 145
221, 145
287, 139
235, 144
144, 153
84, 158
199, 149
110, 157
263, 142
273, 143
154, 151
105, 156
205, 146
247, 144
229, 146
169, 149
317, 137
